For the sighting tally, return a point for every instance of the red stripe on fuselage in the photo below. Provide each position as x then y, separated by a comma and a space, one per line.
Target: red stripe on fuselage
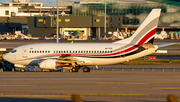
142, 41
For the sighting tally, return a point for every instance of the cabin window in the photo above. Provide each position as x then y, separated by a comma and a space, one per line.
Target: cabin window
48, 51
56, 51
107, 51
84, 51
29, 51
37, 51
69, 51
94, 51
102, 51
76, 51
42, 51
111, 51
64, 51
81, 51
32, 51
97, 51
61, 51
72, 51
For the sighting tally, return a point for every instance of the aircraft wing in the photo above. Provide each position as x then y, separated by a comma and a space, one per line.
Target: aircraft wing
71, 60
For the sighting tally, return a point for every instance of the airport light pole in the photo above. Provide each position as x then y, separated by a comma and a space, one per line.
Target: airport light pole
105, 20
40, 6
57, 24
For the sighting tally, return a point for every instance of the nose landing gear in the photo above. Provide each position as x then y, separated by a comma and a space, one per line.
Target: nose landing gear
86, 69
22, 70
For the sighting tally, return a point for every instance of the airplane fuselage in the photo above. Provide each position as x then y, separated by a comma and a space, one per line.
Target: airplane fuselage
91, 53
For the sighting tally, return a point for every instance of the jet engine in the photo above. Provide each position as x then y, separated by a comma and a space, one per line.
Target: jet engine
49, 64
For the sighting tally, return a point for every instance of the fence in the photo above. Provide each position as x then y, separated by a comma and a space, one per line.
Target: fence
135, 69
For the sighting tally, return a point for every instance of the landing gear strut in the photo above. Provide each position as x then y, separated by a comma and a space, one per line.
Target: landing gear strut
86, 69
50, 70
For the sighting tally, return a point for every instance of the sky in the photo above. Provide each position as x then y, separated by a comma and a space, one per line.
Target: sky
45, 2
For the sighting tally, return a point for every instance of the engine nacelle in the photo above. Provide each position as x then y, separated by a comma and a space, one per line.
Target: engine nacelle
19, 66
48, 64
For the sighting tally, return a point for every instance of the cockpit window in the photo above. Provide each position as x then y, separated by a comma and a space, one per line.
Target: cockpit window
13, 51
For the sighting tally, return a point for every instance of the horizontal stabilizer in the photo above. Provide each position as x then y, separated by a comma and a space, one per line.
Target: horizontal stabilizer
163, 45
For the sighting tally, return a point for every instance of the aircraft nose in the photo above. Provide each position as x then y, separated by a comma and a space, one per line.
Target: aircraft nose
5, 57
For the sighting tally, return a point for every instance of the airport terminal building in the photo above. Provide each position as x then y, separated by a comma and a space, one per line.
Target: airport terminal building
88, 17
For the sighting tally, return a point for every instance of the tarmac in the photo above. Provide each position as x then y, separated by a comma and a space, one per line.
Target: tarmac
99, 86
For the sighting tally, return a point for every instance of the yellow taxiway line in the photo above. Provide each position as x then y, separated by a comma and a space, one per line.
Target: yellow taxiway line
137, 83
164, 82
69, 95
112, 94
166, 88
118, 83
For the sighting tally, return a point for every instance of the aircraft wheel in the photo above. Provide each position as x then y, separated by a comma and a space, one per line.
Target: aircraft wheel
86, 69
60, 70
42, 70
75, 69
22, 70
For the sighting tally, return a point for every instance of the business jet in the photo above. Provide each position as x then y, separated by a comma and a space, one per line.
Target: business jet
76, 55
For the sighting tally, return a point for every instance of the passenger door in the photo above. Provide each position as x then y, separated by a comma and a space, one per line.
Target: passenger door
25, 52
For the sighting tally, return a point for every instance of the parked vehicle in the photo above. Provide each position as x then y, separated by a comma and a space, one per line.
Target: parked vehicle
2, 37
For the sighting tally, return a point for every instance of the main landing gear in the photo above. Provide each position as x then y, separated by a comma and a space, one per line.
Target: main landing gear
75, 69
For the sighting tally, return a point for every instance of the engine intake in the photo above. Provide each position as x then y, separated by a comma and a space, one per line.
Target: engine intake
49, 64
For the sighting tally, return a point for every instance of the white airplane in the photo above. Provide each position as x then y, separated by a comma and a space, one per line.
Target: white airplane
75, 55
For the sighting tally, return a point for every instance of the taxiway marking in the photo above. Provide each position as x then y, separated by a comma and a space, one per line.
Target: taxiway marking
117, 83
166, 88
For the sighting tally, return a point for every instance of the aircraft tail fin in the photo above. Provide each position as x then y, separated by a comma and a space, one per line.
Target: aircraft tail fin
146, 31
